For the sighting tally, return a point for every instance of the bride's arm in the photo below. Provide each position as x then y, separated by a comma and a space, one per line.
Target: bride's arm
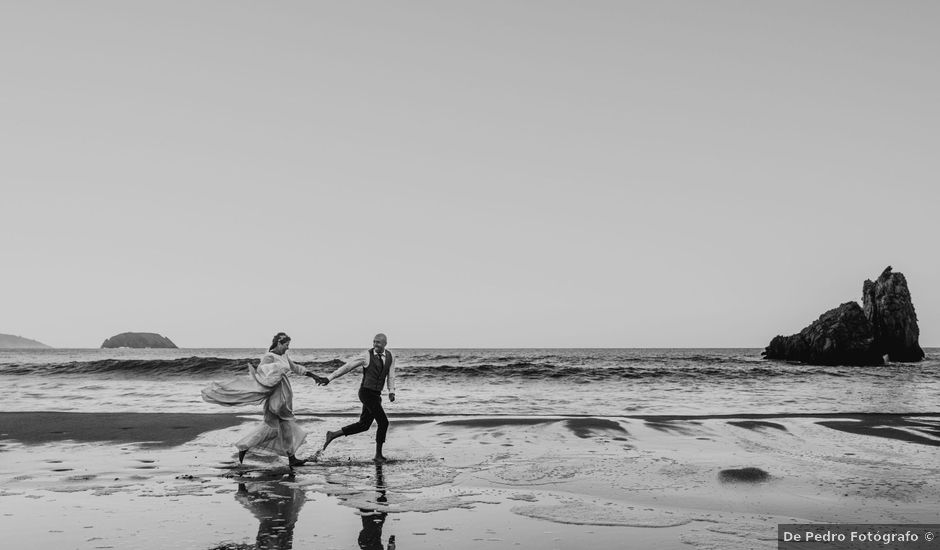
297, 369
270, 370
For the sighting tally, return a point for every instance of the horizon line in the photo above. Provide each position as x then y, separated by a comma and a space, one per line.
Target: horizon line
413, 348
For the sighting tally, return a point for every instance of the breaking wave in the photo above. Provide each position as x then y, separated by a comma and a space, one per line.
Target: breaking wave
577, 369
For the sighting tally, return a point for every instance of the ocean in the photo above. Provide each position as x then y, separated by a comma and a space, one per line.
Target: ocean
442, 382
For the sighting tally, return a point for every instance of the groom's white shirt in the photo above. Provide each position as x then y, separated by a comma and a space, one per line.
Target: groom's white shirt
361, 361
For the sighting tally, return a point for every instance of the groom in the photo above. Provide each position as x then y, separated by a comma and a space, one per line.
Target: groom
378, 368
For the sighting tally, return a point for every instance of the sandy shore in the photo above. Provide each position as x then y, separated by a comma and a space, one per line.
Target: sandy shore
77, 480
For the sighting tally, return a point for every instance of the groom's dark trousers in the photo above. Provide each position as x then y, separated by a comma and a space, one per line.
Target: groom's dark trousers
371, 411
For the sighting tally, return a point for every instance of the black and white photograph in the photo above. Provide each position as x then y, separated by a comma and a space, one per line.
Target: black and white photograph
469, 275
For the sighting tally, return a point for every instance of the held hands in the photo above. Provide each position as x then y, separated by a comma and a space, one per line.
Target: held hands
321, 380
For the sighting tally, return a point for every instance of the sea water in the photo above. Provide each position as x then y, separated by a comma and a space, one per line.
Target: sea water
596, 382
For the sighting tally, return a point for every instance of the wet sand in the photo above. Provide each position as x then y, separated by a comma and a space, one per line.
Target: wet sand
80, 481
149, 429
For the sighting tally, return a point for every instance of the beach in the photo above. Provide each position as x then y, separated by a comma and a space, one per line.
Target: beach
620, 275
152, 480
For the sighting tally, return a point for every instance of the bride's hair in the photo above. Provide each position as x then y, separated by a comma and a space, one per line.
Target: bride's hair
278, 338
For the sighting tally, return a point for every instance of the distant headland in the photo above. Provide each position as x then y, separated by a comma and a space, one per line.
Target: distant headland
8, 341
138, 340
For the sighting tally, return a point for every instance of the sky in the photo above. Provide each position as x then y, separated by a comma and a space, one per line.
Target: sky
463, 174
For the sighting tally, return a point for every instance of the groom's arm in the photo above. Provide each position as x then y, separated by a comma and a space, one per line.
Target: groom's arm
358, 362
390, 380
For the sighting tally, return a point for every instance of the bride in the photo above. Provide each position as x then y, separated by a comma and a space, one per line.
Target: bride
268, 384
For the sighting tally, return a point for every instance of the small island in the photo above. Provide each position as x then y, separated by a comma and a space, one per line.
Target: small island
138, 340
884, 326
8, 341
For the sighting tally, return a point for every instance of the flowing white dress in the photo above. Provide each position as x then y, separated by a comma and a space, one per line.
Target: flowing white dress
268, 384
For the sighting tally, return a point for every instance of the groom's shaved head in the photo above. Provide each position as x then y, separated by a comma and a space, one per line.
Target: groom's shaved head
379, 342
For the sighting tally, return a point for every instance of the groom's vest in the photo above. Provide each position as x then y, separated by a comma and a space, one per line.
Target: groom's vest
373, 376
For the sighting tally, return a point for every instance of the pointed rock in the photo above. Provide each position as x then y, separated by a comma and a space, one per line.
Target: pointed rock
889, 309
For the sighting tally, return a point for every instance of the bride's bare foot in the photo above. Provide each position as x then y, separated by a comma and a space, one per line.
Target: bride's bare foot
330, 436
241, 456
294, 461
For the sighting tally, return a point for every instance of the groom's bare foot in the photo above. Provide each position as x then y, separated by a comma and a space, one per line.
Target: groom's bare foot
379, 459
330, 436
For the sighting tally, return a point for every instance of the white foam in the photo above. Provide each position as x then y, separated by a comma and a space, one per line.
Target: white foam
579, 512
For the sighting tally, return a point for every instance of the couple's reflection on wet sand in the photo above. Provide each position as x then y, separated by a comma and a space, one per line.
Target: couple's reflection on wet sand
277, 507
370, 538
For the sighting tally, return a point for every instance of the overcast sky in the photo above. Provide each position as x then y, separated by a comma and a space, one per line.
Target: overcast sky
463, 174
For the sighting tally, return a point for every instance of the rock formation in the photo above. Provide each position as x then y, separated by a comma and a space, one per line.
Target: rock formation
8, 341
138, 340
889, 309
841, 336
851, 335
